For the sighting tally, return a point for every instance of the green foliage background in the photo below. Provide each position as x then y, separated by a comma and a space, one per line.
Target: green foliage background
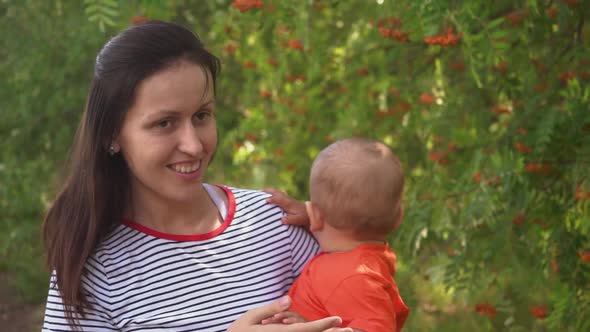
494, 132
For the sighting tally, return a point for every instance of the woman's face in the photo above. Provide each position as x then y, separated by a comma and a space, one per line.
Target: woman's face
169, 134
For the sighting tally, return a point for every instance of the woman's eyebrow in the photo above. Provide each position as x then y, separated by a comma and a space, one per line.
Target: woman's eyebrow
161, 113
165, 112
208, 103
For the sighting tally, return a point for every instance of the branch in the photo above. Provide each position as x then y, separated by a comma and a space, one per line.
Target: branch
580, 28
501, 175
562, 162
453, 195
576, 40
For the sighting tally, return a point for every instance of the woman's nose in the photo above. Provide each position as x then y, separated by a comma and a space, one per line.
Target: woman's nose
189, 141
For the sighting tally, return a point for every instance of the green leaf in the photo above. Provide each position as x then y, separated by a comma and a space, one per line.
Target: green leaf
492, 24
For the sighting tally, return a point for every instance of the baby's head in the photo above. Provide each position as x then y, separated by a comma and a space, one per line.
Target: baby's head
356, 186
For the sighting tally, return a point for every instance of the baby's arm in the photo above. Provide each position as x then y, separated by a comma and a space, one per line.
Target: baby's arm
364, 304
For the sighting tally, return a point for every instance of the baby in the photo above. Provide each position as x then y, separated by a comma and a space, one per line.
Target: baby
356, 188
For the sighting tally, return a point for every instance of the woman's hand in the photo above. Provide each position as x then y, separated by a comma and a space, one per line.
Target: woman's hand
296, 212
285, 317
251, 321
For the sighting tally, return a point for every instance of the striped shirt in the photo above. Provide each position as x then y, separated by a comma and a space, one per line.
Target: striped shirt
141, 280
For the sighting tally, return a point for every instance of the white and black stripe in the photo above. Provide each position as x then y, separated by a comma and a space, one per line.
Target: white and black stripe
141, 282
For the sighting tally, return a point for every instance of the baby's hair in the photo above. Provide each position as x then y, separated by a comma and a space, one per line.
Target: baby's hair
358, 184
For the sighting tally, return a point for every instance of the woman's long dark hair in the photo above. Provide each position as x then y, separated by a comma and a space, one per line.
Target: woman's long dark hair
95, 192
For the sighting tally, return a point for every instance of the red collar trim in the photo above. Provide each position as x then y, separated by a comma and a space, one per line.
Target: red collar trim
196, 237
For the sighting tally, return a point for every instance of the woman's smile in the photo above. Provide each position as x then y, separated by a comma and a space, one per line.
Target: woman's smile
187, 170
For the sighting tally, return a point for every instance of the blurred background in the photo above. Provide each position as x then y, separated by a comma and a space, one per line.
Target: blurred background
487, 103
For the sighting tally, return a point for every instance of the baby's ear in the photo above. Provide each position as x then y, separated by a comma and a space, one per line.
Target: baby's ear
316, 222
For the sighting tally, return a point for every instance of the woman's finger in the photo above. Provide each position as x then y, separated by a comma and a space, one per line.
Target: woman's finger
285, 314
293, 320
256, 315
268, 321
318, 325
339, 329
288, 317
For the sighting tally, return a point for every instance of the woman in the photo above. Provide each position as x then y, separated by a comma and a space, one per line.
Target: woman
135, 240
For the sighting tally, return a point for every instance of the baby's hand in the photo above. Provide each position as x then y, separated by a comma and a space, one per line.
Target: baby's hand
296, 211
285, 317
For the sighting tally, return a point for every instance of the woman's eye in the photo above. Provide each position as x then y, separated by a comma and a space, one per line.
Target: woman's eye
202, 115
163, 124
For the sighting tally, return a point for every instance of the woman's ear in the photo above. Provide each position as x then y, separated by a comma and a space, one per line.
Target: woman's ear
316, 222
112, 145
114, 148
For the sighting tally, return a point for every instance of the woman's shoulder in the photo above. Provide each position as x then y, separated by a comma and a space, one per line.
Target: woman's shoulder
117, 239
252, 206
244, 192
247, 199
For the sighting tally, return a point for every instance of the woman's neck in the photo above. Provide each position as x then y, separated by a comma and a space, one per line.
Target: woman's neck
197, 216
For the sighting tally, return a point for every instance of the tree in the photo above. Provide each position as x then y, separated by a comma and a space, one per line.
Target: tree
485, 102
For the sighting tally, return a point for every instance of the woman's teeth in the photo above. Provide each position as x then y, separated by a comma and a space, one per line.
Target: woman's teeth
187, 168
